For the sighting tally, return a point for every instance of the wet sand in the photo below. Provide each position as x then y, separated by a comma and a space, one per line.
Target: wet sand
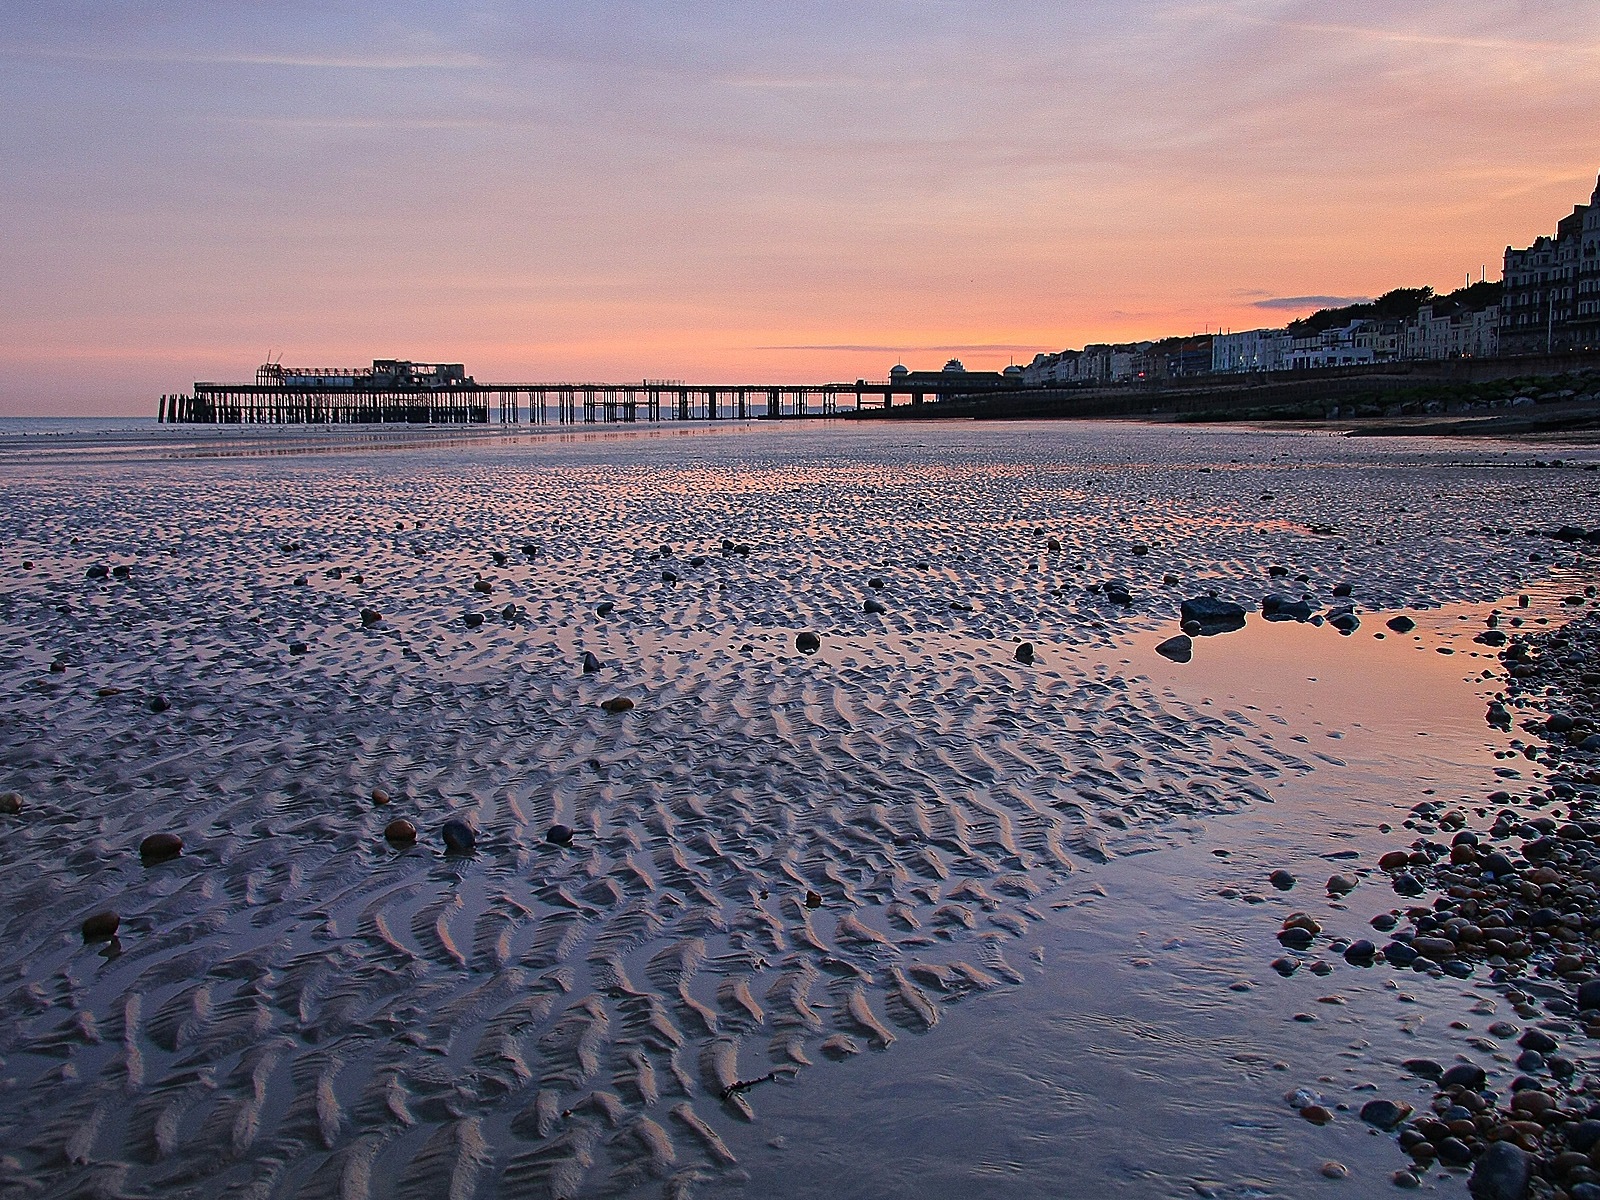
833, 873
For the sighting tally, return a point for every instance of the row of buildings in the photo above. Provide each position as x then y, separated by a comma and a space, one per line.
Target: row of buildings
1548, 302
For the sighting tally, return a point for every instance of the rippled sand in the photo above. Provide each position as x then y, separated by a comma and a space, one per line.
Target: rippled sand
780, 859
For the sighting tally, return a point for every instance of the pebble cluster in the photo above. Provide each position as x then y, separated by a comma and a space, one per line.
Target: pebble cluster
1519, 902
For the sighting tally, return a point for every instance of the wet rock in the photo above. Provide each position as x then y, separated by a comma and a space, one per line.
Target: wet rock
1455, 1152
1538, 1041
1401, 624
669, 577
302, 581
617, 704
1395, 860
509, 612
1384, 1114
1589, 995
1281, 879
813, 900
1342, 590
482, 586
1344, 622
159, 704
1340, 885
400, 832
1501, 1174
1285, 966
1140, 549
1360, 953
1053, 545
1583, 1136
1118, 593
603, 609
1212, 615
1335, 1170
10, 803
559, 835
101, 927
97, 572
473, 619
1024, 653
459, 837
371, 617
876, 584
1281, 608
380, 797
160, 848
1424, 1068
500, 557
807, 642
591, 663
1179, 649
1408, 884
298, 648
1399, 954
1405, 1179
1465, 1075
121, 571
873, 605
1295, 938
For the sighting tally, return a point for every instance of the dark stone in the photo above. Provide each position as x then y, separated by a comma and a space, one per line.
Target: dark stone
1498, 864
159, 704
591, 663
1501, 1174
371, 617
473, 619
10, 803
1399, 954
1280, 608
1589, 994
1281, 879
400, 833
807, 642
1212, 615
875, 583
1530, 1061
298, 647
1465, 1075
499, 557
97, 572
603, 609
1285, 966
1024, 653
1385, 1114
1141, 549
121, 571
1539, 1041
1295, 938
509, 612
813, 900
459, 837
1424, 1068
1408, 884
1345, 622
1401, 624
1455, 1152
1583, 1136
160, 847
873, 605
617, 704
669, 577
1118, 593
559, 835
1539, 848
1457, 968
1179, 649
101, 927
1342, 589
1360, 953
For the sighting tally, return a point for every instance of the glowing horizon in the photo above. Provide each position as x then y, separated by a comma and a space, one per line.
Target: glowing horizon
620, 191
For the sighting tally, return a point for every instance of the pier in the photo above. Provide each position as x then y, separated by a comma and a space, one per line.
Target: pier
394, 391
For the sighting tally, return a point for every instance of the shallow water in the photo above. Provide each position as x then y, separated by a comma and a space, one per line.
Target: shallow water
296, 1008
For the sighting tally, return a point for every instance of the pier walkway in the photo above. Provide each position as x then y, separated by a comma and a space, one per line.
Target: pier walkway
314, 401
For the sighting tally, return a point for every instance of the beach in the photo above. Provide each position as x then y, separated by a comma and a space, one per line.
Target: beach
908, 911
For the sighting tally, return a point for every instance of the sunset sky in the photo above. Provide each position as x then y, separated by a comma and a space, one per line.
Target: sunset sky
743, 192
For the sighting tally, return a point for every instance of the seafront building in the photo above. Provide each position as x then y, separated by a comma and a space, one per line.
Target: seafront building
1552, 288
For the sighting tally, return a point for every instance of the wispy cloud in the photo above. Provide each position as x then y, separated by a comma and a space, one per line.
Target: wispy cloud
451, 61
1292, 302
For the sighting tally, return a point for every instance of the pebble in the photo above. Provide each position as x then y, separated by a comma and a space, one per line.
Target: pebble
1335, 1170
807, 642
400, 832
559, 835
1179, 649
1024, 653
159, 704
371, 617
10, 803
1386, 1115
1405, 1179
379, 796
617, 704
1401, 624
101, 927
459, 837
1341, 885
1502, 1173
813, 900
160, 847
473, 619
873, 605
1281, 879
591, 663
482, 586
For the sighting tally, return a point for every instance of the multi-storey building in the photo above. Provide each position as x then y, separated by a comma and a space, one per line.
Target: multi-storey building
1552, 288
